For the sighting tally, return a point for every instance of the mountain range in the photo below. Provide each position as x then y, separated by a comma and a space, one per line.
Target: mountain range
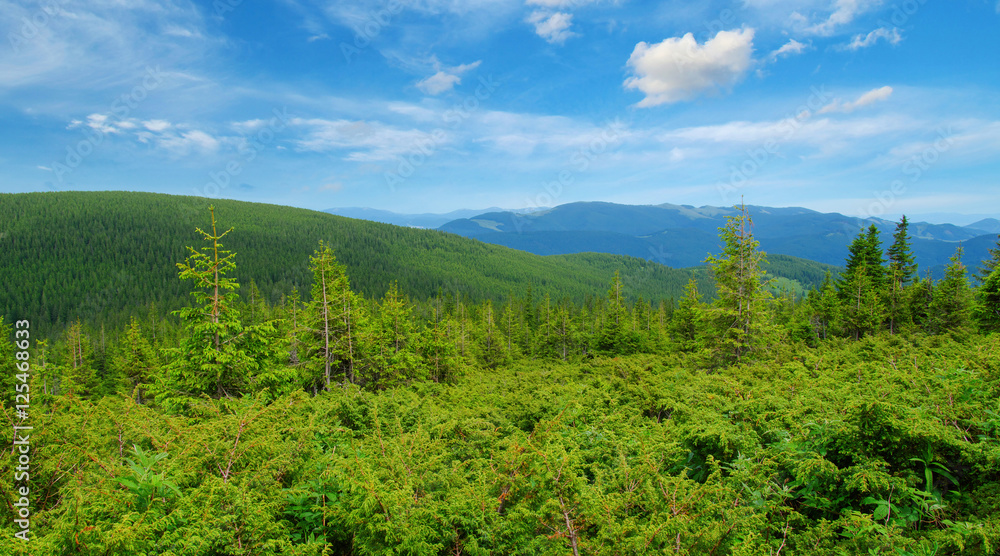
683, 235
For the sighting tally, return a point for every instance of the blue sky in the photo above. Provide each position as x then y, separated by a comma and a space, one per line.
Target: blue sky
857, 106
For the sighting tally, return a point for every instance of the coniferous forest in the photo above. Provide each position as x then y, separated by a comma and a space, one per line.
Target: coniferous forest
538, 405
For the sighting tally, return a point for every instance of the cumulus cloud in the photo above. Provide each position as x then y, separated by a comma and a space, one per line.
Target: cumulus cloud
679, 68
445, 79
553, 27
871, 97
891, 36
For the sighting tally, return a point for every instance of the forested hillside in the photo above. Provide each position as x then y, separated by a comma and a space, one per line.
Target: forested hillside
859, 418
99, 256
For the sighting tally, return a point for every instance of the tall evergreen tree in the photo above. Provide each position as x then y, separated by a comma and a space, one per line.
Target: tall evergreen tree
81, 379
616, 334
900, 274
989, 304
862, 308
902, 268
824, 304
219, 356
990, 264
739, 282
330, 323
135, 361
865, 254
952, 300
687, 321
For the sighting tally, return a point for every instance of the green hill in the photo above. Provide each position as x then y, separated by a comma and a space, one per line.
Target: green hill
99, 255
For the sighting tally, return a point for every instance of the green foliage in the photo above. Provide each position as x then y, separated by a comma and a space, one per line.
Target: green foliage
220, 356
446, 426
739, 282
952, 303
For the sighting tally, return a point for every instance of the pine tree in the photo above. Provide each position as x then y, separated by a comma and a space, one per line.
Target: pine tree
989, 304
219, 356
824, 304
330, 323
902, 269
739, 282
901, 273
861, 312
490, 343
952, 302
8, 368
865, 254
989, 265
135, 361
616, 335
391, 358
81, 379
686, 323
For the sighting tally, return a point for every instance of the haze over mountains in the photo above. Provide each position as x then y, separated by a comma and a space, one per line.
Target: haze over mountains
682, 235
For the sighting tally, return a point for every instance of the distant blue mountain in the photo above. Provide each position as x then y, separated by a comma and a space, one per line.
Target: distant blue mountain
682, 235
425, 220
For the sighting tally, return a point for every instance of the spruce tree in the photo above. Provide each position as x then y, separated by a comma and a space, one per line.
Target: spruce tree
989, 303
865, 253
989, 265
902, 269
952, 301
219, 356
901, 273
81, 379
862, 308
824, 305
330, 323
135, 362
685, 326
739, 281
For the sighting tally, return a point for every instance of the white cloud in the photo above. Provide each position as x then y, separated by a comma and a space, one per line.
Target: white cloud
366, 141
188, 141
844, 12
319, 37
892, 36
156, 125
445, 80
788, 49
679, 68
553, 27
871, 97
561, 4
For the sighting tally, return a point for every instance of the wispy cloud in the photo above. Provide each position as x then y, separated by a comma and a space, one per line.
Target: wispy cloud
871, 97
790, 48
364, 141
445, 79
844, 12
891, 36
